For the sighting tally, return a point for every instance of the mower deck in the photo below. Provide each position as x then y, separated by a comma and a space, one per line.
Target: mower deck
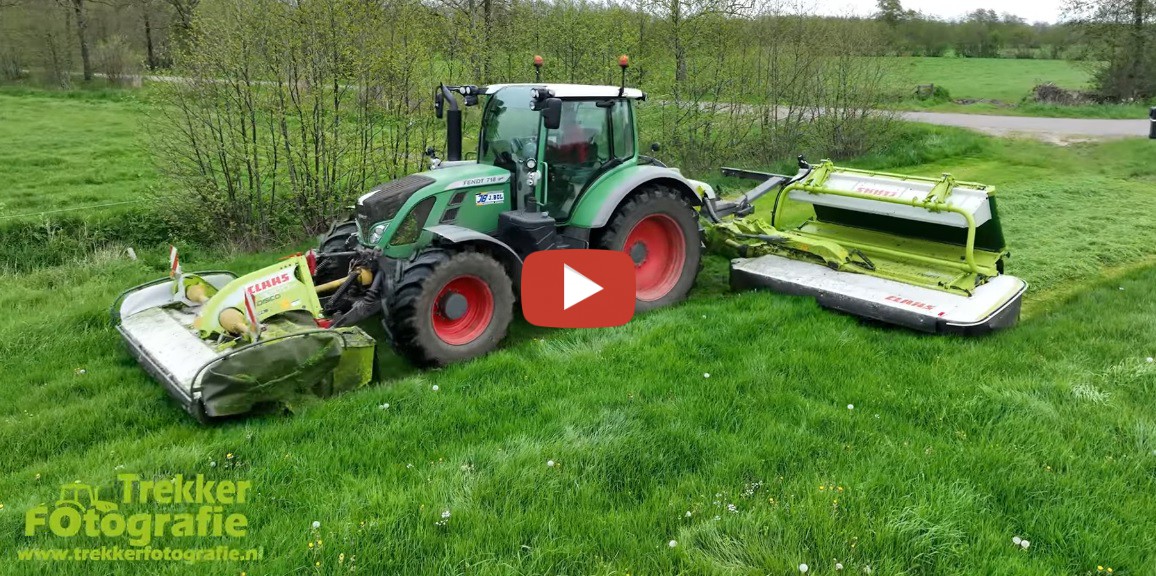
994, 305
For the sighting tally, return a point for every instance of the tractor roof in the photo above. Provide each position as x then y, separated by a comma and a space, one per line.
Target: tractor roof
577, 90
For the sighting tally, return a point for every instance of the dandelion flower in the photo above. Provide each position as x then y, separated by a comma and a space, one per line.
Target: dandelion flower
1150, 359
706, 374
1109, 570
435, 388
672, 543
550, 463
1016, 540
1024, 544
804, 568
310, 544
229, 456
213, 464
688, 514
838, 566
317, 564
316, 524
1099, 568
850, 406
384, 406
866, 569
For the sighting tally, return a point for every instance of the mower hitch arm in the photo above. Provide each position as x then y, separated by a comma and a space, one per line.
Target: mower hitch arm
745, 205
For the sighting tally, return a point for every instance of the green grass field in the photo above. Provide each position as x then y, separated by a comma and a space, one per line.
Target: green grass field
992, 78
77, 154
1006, 80
815, 439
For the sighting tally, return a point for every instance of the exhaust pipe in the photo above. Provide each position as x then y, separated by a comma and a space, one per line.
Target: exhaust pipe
453, 121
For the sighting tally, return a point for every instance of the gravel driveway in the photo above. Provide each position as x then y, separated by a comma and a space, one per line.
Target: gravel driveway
1055, 130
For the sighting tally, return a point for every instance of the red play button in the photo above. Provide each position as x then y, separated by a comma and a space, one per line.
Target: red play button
578, 288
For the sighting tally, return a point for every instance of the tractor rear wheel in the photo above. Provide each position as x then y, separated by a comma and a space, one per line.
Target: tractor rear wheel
659, 230
331, 267
449, 307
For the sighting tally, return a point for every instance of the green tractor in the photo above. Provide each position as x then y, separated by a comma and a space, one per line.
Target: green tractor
436, 255
439, 254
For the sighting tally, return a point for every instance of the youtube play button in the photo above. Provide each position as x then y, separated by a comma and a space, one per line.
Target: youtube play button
578, 288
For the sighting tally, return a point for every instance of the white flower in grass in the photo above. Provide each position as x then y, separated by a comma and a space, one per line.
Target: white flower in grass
213, 464
445, 514
1016, 540
316, 524
435, 388
866, 569
838, 566
1024, 544
804, 568
1150, 359
672, 543
384, 406
688, 514
850, 406
550, 463
706, 374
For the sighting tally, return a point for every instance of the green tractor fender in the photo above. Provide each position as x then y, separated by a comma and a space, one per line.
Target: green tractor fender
460, 235
597, 205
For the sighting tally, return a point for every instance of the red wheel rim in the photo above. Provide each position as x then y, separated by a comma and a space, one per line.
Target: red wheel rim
467, 327
659, 251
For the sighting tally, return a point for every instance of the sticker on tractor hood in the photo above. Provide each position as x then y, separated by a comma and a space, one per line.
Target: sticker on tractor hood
487, 198
483, 181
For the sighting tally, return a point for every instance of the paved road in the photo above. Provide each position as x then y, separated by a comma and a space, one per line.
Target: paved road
1060, 130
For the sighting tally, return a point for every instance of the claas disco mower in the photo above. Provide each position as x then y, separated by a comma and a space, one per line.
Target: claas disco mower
437, 256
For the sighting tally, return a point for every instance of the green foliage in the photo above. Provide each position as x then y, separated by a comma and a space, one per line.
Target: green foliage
834, 439
1122, 36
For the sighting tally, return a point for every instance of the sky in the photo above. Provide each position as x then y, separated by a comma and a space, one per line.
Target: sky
1030, 10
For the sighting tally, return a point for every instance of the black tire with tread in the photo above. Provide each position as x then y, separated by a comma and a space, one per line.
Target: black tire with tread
335, 241
658, 200
408, 319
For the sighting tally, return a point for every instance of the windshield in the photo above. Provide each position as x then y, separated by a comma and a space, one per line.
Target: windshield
509, 126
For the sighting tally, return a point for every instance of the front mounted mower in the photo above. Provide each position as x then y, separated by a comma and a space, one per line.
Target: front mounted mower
437, 255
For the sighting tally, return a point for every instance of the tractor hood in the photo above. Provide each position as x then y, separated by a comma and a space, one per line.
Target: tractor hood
395, 199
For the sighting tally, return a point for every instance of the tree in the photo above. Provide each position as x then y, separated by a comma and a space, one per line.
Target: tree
890, 12
1122, 34
81, 12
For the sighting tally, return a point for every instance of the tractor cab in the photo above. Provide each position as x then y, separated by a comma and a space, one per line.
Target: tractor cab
557, 139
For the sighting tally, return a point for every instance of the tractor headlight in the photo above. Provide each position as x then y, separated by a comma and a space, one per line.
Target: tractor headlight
377, 232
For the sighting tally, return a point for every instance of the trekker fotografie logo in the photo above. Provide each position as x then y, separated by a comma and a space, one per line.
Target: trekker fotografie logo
201, 508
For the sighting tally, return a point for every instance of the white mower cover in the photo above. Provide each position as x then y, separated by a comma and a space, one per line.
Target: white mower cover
971, 200
162, 337
994, 305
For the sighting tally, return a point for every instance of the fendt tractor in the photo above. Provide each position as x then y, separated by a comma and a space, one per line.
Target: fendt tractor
438, 255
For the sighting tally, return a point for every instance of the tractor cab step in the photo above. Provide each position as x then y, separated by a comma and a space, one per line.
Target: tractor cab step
527, 232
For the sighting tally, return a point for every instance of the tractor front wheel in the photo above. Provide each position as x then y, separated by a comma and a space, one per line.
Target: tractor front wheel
449, 307
336, 241
659, 230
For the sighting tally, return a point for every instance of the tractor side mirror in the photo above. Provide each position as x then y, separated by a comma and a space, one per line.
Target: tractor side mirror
552, 113
655, 147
